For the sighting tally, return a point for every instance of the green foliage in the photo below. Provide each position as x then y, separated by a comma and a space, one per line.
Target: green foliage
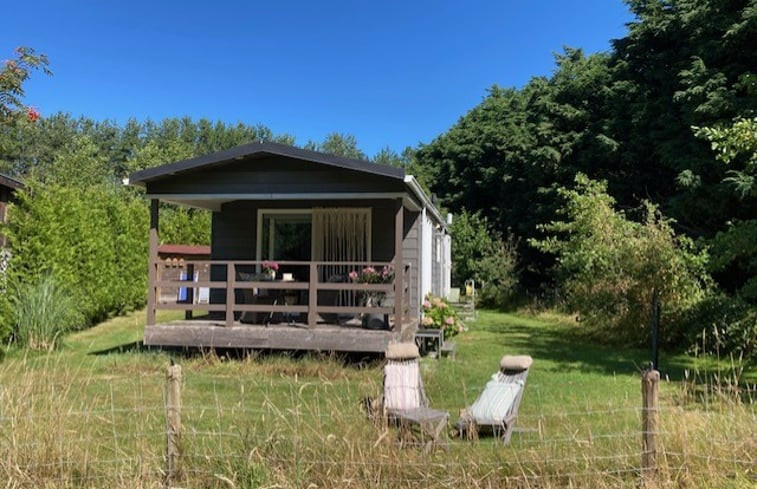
43, 311
500, 285
736, 145
437, 313
734, 256
622, 116
338, 144
479, 253
609, 265
14, 73
735, 247
91, 239
722, 324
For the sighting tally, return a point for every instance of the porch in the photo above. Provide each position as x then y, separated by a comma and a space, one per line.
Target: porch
304, 306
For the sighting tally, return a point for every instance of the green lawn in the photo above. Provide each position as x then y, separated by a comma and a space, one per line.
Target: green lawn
94, 411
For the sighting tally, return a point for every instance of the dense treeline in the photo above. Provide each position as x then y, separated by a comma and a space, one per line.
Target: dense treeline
627, 117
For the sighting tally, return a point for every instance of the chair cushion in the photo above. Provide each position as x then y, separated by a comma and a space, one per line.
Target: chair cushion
495, 402
402, 386
515, 362
402, 351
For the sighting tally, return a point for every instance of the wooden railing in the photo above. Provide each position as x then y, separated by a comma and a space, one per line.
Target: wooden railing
243, 278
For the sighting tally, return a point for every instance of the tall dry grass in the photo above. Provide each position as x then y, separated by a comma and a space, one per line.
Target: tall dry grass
268, 424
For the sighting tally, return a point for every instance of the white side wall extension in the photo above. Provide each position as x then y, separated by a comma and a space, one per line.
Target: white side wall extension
426, 262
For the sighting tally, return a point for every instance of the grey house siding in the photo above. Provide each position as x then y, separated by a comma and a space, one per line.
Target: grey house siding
234, 229
411, 254
232, 238
273, 176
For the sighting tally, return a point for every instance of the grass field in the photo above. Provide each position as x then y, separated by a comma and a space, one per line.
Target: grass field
92, 415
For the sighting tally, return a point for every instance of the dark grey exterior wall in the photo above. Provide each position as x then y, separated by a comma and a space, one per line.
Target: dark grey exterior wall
411, 250
234, 229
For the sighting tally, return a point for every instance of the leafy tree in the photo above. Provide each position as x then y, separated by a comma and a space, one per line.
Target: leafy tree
482, 255
387, 156
338, 144
12, 77
735, 248
609, 266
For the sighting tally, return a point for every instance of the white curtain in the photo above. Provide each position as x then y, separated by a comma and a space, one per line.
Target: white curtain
341, 235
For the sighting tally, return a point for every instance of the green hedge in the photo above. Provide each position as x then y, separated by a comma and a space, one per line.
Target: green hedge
93, 240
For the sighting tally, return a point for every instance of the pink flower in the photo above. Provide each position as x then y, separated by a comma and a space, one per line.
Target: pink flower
353, 275
450, 321
426, 305
369, 270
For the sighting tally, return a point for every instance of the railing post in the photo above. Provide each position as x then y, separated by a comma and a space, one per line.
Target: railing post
650, 382
230, 278
190, 290
313, 296
399, 266
173, 424
152, 260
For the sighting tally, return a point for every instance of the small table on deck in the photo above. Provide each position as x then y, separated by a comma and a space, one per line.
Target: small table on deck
427, 338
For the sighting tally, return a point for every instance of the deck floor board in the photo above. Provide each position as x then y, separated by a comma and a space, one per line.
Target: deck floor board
214, 334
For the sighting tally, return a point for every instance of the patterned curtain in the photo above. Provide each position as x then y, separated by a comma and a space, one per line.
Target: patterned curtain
341, 235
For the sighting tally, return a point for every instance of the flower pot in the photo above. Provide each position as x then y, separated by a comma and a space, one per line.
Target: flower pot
375, 321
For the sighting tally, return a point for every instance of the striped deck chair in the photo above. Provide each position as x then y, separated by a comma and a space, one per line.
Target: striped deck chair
404, 402
497, 406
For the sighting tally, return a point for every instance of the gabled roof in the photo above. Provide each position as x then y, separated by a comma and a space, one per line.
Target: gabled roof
256, 150
10, 182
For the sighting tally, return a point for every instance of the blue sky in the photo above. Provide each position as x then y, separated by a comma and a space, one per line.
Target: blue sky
391, 73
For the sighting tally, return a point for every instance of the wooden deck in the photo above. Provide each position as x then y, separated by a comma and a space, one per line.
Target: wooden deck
325, 337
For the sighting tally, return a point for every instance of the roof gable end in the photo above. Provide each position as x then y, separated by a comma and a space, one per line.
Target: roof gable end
253, 149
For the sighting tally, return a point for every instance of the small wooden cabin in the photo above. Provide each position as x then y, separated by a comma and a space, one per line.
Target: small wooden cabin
325, 222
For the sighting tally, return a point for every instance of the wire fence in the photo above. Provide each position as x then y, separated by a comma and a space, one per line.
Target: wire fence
93, 431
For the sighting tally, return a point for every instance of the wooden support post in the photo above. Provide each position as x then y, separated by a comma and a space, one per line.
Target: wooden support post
152, 260
173, 425
230, 279
650, 382
190, 290
313, 296
399, 265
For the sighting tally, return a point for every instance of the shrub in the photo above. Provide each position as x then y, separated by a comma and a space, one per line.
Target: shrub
609, 266
480, 253
501, 280
437, 313
722, 324
93, 240
43, 311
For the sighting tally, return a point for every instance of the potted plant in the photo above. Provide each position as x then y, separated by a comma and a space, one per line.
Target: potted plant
269, 269
373, 298
437, 313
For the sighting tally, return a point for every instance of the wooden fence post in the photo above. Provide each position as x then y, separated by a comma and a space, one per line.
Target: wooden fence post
650, 382
173, 424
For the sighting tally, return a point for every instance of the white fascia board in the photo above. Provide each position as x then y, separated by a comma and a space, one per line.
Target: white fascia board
413, 184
